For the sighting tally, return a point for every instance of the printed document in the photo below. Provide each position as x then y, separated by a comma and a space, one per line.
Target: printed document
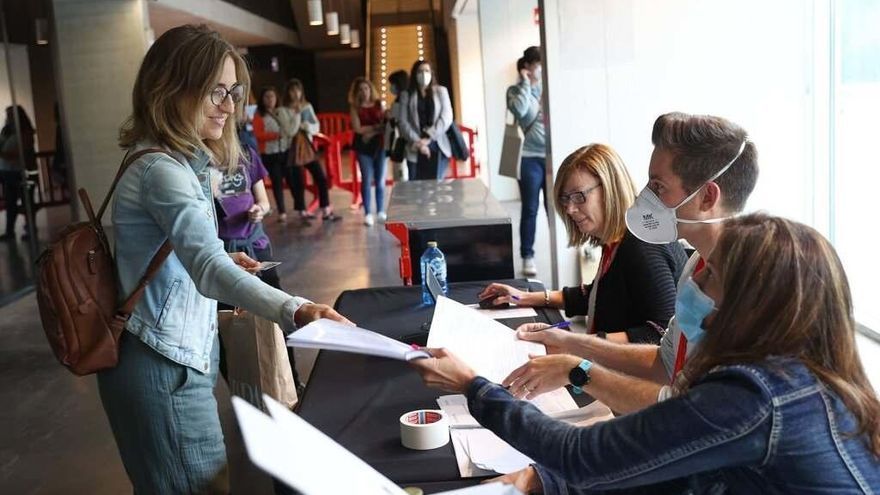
487, 346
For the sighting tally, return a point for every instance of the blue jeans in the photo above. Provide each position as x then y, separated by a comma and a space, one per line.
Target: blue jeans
165, 421
531, 183
372, 170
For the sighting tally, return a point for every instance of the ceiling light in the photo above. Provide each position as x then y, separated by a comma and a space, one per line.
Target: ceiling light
355, 38
332, 20
316, 17
344, 33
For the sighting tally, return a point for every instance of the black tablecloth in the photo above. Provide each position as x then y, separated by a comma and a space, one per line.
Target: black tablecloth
357, 400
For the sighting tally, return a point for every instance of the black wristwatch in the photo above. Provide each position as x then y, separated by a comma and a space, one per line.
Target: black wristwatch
579, 376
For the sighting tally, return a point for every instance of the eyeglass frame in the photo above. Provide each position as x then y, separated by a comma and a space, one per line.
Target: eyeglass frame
567, 199
227, 94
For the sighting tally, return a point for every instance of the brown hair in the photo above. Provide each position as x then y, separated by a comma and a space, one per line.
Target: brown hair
176, 76
353, 91
294, 83
786, 294
702, 145
618, 189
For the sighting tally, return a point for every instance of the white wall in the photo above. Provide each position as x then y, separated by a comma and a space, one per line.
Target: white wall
613, 66
467, 71
507, 28
100, 45
21, 75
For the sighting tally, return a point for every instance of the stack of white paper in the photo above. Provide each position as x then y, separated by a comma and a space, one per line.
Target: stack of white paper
299, 455
493, 351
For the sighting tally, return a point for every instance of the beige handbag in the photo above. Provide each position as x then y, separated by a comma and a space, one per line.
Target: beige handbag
256, 359
511, 150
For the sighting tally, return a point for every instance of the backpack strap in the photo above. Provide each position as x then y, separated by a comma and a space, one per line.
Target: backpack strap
127, 160
153, 268
128, 305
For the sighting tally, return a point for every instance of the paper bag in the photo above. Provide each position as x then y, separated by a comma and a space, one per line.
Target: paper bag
511, 151
256, 359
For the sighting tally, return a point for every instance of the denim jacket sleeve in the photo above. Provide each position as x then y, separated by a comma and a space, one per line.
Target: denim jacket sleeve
724, 420
174, 198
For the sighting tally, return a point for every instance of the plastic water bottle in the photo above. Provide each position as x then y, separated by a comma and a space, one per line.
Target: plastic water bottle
433, 258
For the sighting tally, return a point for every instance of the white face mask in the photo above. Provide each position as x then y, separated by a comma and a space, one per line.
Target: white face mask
652, 221
423, 78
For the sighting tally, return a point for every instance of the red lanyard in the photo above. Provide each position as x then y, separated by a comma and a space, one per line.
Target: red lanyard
681, 354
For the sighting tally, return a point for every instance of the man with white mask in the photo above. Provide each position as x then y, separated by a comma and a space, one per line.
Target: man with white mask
702, 171
524, 102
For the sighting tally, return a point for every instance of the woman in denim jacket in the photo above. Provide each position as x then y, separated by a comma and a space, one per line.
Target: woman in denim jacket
775, 400
159, 400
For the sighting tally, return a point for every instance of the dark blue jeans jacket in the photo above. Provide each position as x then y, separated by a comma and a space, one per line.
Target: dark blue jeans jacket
764, 428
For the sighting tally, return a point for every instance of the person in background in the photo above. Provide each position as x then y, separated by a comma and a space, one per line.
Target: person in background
11, 166
775, 400
632, 297
273, 128
159, 399
524, 102
425, 117
368, 124
398, 82
305, 120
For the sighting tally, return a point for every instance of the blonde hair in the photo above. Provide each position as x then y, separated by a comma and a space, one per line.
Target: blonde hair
618, 190
176, 76
353, 91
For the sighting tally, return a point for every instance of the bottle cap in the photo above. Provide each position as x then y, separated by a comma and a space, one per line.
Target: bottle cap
432, 243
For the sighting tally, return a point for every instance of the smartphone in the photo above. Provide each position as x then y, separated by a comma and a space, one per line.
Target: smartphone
268, 265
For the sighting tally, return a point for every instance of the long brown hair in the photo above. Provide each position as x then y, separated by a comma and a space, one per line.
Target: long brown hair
786, 294
617, 187
288, 101
353, 92
177, 74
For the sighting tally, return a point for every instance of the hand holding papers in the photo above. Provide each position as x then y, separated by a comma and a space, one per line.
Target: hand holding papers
335, 336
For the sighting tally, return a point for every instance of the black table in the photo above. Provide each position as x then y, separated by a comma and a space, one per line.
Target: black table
357, 400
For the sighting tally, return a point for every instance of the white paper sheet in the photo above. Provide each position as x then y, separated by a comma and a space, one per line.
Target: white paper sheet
501, 314
489, 347
491, 453
558, 404
275, 444
332, 335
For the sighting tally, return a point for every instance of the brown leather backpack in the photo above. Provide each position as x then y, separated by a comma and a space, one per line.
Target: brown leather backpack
77, 289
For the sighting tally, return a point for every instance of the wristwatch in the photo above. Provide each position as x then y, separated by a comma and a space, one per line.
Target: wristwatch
579, 376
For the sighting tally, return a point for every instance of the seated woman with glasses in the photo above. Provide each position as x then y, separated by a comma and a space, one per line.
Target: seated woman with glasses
632, 297
774, 400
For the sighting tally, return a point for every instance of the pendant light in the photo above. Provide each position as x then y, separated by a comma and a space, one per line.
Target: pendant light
331, 19
345, 27
316, 16
355, 38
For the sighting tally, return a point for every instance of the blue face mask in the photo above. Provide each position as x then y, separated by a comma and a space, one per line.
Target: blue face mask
692, 306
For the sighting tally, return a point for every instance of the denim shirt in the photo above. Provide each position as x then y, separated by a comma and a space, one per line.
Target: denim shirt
158, 198
765, 428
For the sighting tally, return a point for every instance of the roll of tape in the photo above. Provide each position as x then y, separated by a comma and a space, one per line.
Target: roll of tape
424, 429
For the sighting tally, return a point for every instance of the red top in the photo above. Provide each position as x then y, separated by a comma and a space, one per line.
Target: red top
371, 115
263, 136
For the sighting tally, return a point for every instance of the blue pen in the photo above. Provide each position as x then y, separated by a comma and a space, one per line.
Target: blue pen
561, 324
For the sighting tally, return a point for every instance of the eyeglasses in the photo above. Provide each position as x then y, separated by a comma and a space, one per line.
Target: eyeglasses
218, 96
577, 197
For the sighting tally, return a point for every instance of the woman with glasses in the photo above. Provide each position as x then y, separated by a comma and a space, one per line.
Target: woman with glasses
159, 399
632, 297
